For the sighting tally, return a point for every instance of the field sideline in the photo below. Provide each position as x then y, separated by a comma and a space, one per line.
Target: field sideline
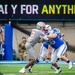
38, 69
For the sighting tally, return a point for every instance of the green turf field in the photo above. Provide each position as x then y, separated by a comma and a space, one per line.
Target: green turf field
38, 69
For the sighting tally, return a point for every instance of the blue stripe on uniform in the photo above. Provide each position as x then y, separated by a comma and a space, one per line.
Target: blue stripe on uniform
63, 50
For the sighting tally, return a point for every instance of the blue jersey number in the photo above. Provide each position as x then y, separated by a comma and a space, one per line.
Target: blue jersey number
51, 41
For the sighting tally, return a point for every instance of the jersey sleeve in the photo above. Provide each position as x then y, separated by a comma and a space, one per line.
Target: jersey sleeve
43, 36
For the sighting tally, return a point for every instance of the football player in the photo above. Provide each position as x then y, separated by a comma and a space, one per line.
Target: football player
59, 49
35, 36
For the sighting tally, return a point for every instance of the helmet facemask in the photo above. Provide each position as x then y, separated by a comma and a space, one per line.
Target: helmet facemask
40, 26
48, 29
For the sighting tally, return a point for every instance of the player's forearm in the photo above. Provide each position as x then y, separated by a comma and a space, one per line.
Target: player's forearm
44, 37
40, 41
51, 36
2, 34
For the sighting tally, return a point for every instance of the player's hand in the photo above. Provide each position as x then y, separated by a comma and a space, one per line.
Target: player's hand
2, 42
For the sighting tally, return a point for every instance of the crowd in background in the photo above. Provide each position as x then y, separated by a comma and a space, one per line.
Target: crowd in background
21, 48
1, 43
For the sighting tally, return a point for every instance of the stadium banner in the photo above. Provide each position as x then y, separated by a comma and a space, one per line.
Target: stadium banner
36, 10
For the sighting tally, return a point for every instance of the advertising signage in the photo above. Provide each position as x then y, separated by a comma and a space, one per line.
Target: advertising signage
36, 10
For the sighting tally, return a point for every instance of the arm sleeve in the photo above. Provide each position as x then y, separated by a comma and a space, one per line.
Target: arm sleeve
44, 37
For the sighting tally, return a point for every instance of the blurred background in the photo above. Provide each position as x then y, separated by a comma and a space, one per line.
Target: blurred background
18, 18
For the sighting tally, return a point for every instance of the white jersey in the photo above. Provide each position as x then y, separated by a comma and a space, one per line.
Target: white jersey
35, 36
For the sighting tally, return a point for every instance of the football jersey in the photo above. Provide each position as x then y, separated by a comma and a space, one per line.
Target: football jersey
35, 36
45, 44
55, 42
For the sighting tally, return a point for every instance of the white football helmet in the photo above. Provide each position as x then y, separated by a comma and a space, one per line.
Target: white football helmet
40, 26
48, 29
